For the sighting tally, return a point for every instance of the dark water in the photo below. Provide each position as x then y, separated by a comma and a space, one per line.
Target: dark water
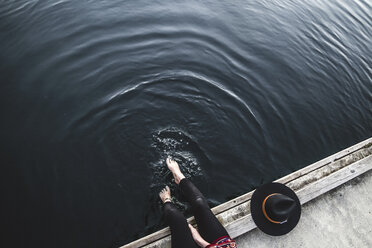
95, 95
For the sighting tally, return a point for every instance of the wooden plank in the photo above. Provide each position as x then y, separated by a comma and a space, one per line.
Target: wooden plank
324, 161
300, 182
240, 226
246, 197
334, 180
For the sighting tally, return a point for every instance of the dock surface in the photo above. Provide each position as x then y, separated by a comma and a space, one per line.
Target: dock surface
335, 194
339, 218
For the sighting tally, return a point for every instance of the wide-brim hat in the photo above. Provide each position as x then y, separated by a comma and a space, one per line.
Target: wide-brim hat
260, 216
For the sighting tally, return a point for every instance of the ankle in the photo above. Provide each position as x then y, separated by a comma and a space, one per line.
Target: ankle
178, 178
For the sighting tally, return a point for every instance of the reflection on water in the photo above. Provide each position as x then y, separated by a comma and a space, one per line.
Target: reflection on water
96, 94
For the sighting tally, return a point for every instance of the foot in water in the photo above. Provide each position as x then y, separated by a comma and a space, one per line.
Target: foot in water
165, 195
175, 169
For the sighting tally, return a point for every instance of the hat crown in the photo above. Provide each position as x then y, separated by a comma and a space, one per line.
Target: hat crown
279, 207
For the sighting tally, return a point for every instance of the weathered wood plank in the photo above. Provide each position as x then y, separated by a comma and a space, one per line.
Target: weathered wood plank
324, 171
334, 180
240, 226
324, 161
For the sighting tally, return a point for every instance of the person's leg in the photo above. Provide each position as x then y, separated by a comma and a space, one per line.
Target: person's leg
209, 227
180, 233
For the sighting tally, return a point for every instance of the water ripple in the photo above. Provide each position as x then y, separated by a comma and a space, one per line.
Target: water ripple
239, 93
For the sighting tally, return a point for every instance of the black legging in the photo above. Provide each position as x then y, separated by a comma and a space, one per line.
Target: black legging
208, 225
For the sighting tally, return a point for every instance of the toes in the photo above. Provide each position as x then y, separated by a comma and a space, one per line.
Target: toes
165, 190
169, 160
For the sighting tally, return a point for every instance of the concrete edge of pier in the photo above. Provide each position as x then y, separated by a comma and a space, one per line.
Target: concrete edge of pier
308, 183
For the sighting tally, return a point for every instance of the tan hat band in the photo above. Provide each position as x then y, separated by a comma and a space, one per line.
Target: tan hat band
264, 210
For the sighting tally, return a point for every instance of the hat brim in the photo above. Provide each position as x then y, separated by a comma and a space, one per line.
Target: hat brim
260, 220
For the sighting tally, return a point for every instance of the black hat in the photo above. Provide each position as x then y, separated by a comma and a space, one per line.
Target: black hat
275, 209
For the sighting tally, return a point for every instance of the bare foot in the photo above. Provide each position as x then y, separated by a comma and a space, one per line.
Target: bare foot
197, 238
165, 195
175, 169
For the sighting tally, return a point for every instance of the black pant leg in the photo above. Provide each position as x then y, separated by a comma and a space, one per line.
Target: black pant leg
208, 225
180, 232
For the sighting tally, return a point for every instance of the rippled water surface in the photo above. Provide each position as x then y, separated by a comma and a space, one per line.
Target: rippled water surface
96, 94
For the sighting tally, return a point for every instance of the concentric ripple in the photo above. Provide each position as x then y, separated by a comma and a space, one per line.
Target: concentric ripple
96, 94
